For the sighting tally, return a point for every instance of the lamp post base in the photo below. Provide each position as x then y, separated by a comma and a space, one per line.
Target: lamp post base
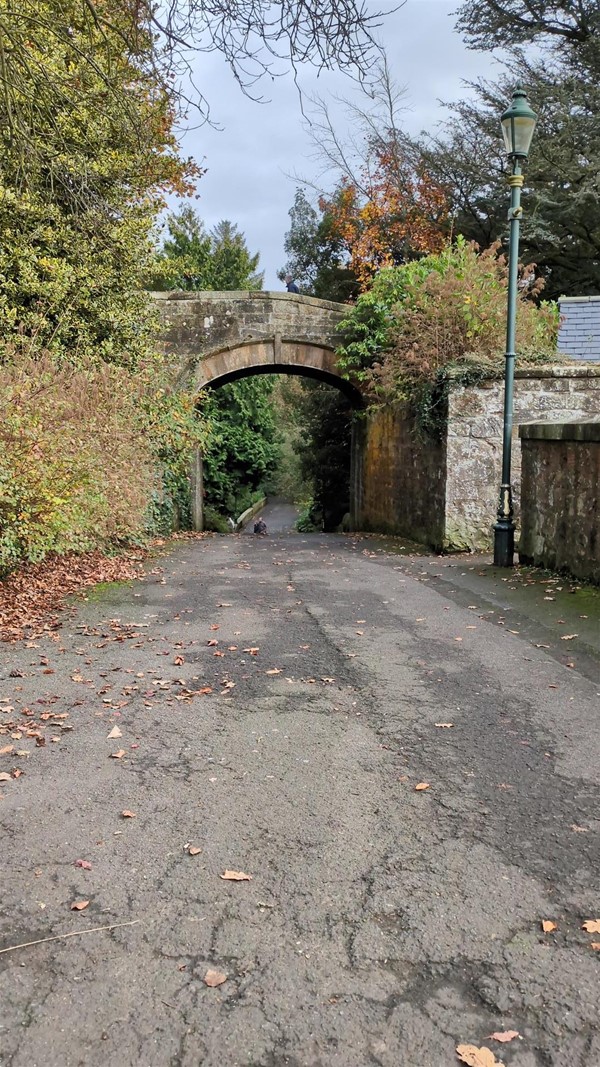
504, 543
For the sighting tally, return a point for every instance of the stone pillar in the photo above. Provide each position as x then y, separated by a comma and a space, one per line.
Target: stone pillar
197, 491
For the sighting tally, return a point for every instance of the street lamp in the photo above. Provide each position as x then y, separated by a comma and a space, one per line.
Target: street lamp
518, 124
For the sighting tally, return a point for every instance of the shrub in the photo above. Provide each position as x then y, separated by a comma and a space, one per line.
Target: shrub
440, 318
82, 451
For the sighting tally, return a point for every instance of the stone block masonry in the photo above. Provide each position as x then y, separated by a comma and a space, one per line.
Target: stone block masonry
560, 512
474, 441
445, 492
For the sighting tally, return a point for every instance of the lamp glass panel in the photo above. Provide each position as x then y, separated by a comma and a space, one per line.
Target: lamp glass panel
523, 132
518, 132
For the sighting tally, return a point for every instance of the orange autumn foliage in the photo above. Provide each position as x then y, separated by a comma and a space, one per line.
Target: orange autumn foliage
397, 214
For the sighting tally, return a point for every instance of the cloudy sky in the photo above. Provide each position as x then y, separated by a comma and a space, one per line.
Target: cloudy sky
250, 160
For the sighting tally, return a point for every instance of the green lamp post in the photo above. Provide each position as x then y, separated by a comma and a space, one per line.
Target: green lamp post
518, 124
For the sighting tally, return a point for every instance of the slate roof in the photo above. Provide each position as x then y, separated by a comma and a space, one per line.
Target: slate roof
579, 331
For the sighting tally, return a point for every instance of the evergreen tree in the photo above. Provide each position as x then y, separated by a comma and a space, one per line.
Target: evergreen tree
316, 257
561, 225
232, 265
192, 259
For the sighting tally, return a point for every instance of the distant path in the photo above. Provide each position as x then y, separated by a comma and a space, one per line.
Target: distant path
279, 515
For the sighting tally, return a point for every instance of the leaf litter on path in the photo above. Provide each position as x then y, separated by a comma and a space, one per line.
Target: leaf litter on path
235, 876
477, 1057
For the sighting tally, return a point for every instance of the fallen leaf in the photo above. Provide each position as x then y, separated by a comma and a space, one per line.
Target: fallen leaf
79, 905
444, 725
83, 863
275, 670
422, 785
193, 850
212, 643
548, 926
4, 777
214, 978
595, 945
252, 651
9, 748
235, 876
128, 815
179, 661
477, 1057
568, 637
579, 829
592, 926
115, 732
504, 1035
119, 754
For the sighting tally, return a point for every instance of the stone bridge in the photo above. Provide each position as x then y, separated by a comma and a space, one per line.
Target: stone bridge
440, 491
220, 337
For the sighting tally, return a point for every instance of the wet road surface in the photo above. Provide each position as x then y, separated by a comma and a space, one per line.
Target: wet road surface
278, 701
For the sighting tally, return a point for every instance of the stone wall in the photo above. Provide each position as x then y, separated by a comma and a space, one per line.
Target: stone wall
198, 324
399, 482
474, 442
560, 511
445, 493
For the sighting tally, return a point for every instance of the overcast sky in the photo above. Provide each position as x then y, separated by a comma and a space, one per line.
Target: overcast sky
249, 161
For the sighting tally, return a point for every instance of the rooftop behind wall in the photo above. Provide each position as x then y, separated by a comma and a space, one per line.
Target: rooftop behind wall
579, 332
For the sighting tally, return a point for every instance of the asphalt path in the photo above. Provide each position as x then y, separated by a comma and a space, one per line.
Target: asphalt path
275, 704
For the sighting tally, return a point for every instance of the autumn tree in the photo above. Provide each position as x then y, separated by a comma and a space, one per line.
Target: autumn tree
255, 37
399, 214
386, 208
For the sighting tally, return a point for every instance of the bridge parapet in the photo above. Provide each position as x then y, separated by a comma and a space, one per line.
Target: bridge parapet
198, 324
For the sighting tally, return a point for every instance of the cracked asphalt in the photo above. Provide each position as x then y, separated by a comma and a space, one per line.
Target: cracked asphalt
382, 924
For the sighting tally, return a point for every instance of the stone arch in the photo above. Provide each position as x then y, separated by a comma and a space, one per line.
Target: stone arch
273, 356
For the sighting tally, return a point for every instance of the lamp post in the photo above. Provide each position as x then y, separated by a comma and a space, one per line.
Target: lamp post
518, 124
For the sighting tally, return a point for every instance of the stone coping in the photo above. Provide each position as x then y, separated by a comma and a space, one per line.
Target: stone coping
237, 295
561, 431
577, 369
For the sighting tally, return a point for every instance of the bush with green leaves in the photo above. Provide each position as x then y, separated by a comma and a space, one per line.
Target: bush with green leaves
242, 449
442, 319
